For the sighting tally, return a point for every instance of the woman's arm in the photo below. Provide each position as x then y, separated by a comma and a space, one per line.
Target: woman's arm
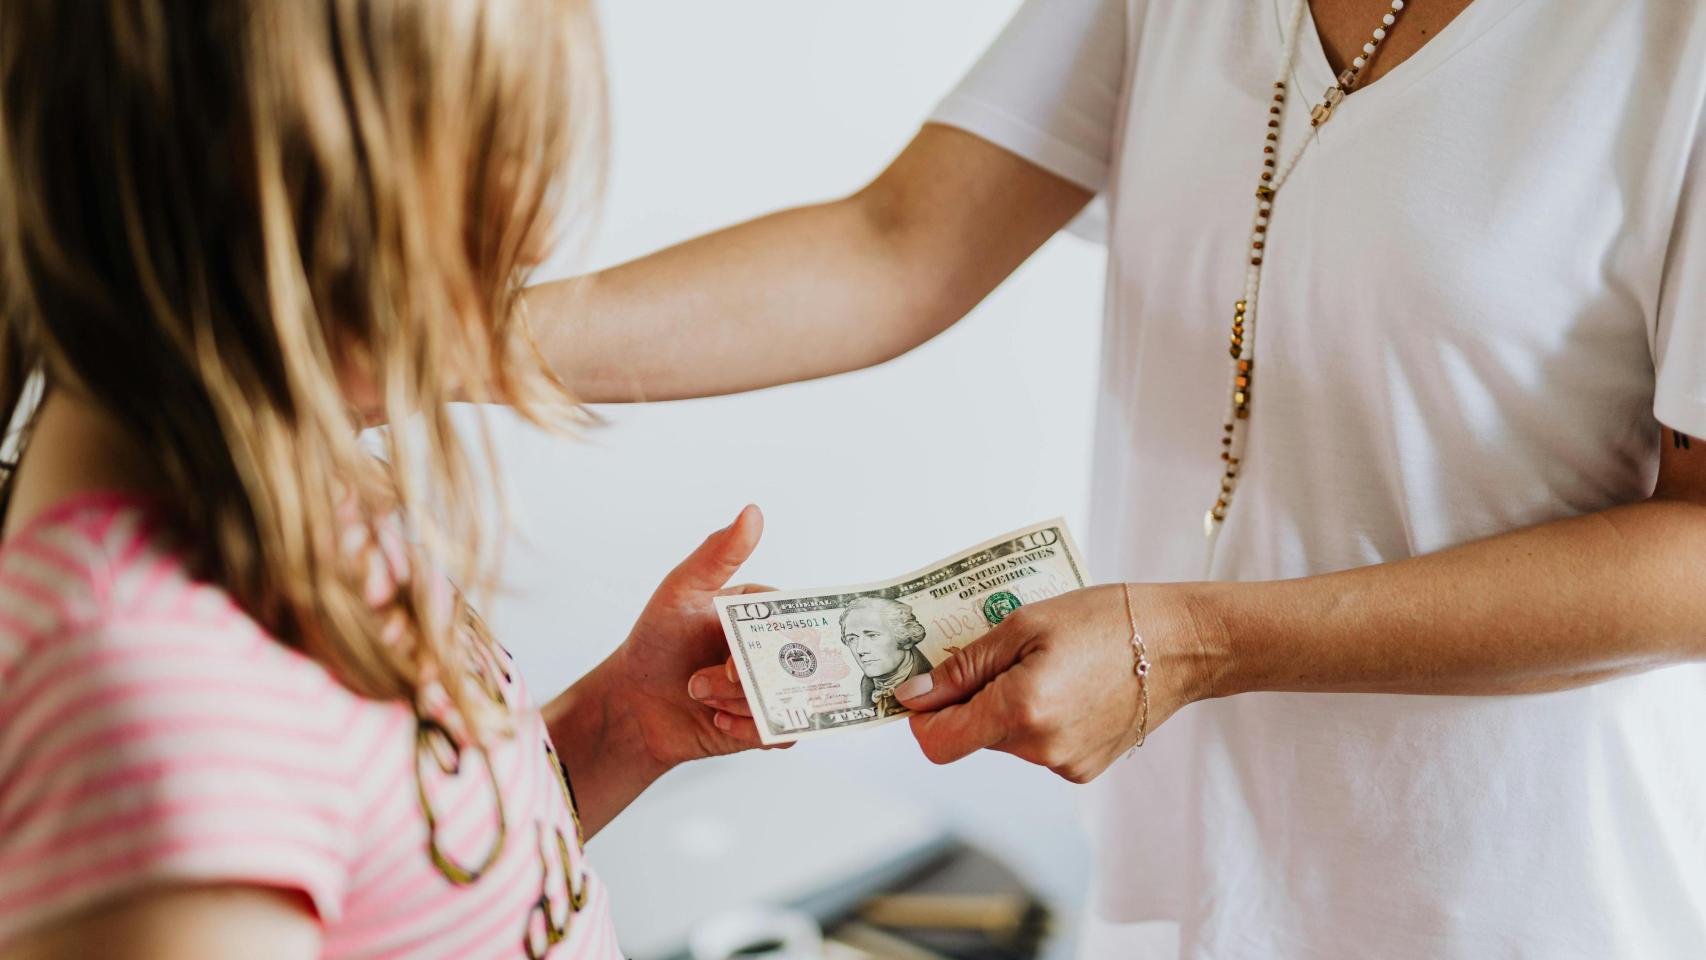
808, 292
1554, 606
189, 923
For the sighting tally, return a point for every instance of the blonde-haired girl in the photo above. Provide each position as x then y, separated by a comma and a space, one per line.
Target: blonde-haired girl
238, 717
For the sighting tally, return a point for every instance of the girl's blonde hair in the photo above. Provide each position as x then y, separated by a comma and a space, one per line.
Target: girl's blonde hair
218, 217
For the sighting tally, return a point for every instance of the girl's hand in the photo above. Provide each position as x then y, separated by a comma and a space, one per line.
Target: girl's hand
672, 674
1053, 683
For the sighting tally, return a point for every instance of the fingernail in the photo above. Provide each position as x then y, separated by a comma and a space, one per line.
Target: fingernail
698, 688
916, 687
725, 722
729, 671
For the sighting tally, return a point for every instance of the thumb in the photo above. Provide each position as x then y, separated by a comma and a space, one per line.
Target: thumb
962, 706
711, 565
969, 670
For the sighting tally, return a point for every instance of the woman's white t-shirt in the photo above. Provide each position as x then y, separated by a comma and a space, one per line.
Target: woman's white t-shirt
1484, 290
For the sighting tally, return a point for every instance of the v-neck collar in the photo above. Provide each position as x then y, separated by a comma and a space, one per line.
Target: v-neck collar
1313, 75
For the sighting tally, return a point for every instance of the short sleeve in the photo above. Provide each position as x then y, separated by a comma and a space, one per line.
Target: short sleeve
1679, 335
167, 753
1049, 88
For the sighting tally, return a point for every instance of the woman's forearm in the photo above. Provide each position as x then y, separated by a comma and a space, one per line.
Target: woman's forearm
730, 311
1557, 605
1553, 606
808, 292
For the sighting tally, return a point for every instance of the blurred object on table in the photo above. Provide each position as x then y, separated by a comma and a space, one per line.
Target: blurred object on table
708, 841
965, 905
860, 942
962, 905
758, 933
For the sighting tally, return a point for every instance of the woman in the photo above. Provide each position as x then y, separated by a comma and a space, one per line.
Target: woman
241, 715
1437, 693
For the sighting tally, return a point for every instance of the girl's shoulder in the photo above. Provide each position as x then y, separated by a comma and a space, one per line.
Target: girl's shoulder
151, 732
57, 571
101, 578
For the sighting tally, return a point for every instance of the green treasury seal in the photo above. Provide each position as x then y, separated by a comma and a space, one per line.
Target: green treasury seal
998, 606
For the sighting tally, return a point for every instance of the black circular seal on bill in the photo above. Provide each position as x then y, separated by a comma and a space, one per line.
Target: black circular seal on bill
797, 660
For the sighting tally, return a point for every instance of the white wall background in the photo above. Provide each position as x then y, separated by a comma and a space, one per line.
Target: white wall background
722, 111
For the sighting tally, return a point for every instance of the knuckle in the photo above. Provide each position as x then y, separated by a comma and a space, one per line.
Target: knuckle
959, 670
1053, 757
1030, 716
1069, 768
1020, 619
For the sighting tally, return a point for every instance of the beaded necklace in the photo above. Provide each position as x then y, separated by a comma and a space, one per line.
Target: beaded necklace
1274, 176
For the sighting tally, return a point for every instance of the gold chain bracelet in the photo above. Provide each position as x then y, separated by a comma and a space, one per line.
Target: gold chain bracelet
1140, 668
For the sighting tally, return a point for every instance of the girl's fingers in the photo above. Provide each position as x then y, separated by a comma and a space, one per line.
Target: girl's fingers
740, 728
714, 683
709, 567
737, 707
744, 731
744, 589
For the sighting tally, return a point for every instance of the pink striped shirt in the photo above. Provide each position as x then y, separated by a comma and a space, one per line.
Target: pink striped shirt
151, 733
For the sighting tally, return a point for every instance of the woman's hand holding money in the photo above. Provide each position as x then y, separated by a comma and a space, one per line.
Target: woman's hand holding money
1054, 682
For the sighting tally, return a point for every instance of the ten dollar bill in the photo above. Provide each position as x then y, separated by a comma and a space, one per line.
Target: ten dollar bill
815, 661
